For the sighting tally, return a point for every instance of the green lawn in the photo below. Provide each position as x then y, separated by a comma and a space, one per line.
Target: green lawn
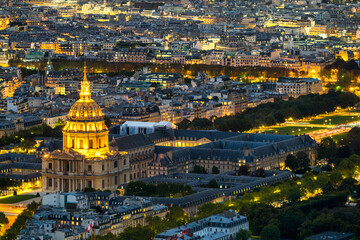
336, 120
290, 130
17, 198
338, 137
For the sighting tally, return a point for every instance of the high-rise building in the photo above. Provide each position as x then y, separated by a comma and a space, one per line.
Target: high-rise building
85, 160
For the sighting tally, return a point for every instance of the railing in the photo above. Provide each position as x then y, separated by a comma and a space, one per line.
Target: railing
89, 173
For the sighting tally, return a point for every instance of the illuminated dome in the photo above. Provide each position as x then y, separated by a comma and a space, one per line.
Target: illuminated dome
85, 130
85, 111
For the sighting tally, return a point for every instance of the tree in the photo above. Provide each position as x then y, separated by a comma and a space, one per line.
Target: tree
291, 162
260, 173
348, 184
303, 161
135, 188
3, 219
20, 221
352, 140
60, 122
184, 124
243, 234
244, 170
327, 148
108, 122
336, 179
294, 195
176, 216
215, 170
199, 169
270, 232
290, 221
259, 215
27, 144
343, 152
201, 123
213, 184
299, 163
137, 233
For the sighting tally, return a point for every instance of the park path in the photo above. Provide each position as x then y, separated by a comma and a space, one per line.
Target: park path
12, 210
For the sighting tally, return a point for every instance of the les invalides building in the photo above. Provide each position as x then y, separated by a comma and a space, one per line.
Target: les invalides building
86, 160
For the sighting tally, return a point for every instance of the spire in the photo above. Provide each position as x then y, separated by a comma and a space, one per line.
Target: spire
49, 67
85, 93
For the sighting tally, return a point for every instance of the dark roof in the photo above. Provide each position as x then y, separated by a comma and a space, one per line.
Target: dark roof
50, 145
209, 134
21, 165
22, 177
331, 235
131, 142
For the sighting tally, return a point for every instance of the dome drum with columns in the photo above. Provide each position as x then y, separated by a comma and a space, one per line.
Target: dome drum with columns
85, 130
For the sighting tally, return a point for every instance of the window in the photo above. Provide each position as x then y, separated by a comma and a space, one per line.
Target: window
115, 180
124, 178
89, 183
115, 164
67, 167
89, 168
99, 142
103, 167
124, 162
50, 165
50, 182
72, 143
90, 143
81, 143
103, 184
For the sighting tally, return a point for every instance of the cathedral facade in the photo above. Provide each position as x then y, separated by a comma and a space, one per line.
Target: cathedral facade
85, 160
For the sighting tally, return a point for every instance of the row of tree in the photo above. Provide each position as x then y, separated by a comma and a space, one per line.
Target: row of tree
174, 218
276, 112
139, 188
20, 221
26, 137
126, 68
346, 72
6, 183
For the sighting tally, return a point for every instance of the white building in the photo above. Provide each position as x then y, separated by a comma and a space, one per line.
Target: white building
295, 87
221, 226
62, 199
51, 121
132, 127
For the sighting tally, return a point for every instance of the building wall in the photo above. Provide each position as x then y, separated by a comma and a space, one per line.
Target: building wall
67, 174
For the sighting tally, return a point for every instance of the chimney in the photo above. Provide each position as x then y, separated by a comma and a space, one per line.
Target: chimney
170, 154
160, 156
246, 151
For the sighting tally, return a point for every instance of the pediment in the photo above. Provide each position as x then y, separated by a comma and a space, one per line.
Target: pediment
71, 154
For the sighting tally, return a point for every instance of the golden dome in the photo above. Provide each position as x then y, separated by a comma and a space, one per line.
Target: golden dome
85, 131
87, 110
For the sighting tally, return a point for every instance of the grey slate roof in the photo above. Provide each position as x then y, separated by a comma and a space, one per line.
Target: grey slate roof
131, 142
